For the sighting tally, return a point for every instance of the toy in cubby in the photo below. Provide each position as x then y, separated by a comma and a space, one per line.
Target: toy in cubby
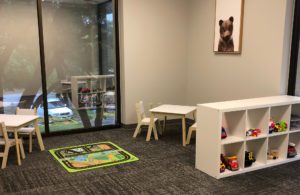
277, 127
291, 150
273, 154
253, 132
223, 133
249, 159
230, 162
222, 167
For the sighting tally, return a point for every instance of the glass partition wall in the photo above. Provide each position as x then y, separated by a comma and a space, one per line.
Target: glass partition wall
20, 75
79, 62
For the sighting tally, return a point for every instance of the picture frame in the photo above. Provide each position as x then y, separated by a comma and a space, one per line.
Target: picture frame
228, 26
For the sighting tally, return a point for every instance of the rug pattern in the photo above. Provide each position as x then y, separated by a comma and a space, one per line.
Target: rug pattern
91, 156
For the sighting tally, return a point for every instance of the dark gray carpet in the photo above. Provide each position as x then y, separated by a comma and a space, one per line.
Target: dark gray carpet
165, 167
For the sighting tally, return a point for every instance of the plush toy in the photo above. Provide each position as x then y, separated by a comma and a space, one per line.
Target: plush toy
280, 127
273, 154
283, 126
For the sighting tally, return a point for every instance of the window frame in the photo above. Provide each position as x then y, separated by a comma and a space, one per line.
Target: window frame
294, 50
43, 74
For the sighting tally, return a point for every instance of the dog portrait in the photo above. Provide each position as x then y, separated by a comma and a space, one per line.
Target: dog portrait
228, 26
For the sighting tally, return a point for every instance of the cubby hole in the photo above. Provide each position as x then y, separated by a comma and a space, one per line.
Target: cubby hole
234, 124
295, 118
279, 144
258, 119
235, 149
281, 113
259, 149
295, 138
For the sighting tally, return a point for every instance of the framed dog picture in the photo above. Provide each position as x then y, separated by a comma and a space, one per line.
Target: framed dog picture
228, 26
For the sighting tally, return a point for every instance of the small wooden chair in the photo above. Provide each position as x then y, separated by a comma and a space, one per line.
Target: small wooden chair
28, 131
142, 119
7, 143
191, 130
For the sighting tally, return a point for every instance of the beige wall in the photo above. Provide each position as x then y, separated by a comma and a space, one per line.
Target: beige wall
262, 66
153, 53
167, 53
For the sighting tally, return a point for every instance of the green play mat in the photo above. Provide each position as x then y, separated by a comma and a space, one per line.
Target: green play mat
91, 156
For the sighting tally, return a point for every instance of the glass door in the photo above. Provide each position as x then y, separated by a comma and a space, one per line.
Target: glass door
80, 62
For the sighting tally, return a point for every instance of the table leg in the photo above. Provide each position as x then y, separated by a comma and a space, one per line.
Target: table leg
155, 132
150, 128
159, 128
17, 146
38, 135
165, 120
183, 131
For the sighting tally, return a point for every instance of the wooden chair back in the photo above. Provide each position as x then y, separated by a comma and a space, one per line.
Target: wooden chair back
22, 111
140, 111
3, 132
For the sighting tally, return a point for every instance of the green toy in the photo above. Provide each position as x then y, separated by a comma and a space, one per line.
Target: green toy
280, 127
283, 126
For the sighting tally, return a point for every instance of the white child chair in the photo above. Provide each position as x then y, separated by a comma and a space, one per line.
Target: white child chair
143, 120
7, 143
28, 131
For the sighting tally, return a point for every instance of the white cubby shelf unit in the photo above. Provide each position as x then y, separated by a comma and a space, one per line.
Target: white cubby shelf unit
237, 117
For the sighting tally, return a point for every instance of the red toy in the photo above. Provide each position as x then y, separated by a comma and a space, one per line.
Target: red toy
253, 132
223, 133
291, 150
231, 162
271, 126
